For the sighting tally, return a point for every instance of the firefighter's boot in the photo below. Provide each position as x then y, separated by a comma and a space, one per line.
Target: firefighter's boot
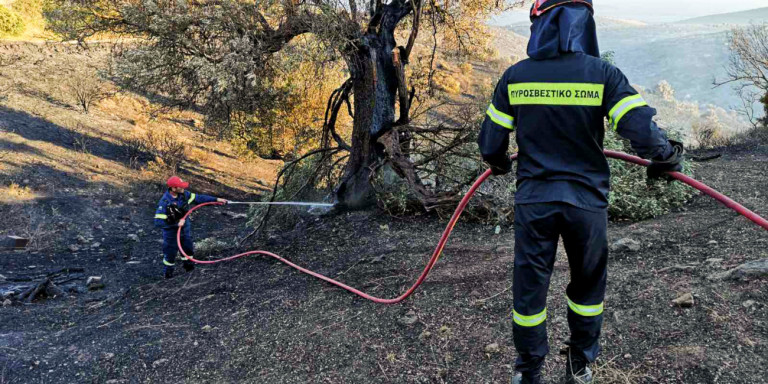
527, 378
577, 371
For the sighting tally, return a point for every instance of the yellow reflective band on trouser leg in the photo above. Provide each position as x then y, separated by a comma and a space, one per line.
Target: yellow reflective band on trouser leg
529, 321
161, 216
622, 107
500, 118
585, 310
165, 262
191, 198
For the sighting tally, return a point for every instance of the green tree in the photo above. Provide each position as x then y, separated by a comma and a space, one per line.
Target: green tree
220, 55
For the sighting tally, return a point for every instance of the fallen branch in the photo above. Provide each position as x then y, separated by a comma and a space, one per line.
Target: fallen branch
111, 321
678, 268
705, 158
46, 287
491, 297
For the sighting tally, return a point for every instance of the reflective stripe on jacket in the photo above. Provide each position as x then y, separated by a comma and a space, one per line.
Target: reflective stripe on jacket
557, 108
183, 201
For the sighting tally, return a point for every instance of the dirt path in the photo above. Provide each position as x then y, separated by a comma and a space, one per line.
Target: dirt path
256, 321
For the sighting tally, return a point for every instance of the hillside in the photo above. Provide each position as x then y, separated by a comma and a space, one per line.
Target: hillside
759, 15
663, 54
662, 59
509, 44
56, 146
83, 187
254, 320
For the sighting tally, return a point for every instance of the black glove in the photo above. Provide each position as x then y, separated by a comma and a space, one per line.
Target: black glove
175, 214
674, 163
503, 168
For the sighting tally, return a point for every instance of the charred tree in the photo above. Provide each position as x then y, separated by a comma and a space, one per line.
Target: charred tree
219, 57
375, 86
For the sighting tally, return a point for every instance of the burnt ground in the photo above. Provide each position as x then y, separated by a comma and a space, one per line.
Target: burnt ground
254, 320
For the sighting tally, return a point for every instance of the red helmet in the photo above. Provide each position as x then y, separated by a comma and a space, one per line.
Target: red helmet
176, 182
540, 7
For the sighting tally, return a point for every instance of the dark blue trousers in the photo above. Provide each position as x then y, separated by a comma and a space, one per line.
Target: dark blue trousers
537, 230
171, 249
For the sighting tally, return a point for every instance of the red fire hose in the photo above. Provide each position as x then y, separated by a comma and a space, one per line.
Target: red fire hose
451, 223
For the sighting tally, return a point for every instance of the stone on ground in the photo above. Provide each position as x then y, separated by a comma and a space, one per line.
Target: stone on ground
625, 244
684, 301
756, 268
94, 283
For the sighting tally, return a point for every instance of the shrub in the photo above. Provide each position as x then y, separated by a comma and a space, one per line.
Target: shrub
446, 82
10, 22
694, 124
609, 56
169, 151
28, 9
631, 196
136, 151
78, 137
209, 246
18, 192
665, 90
81, 139
85, 88
708, 132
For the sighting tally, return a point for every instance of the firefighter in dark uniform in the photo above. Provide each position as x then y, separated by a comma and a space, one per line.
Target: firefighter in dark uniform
556, 103
168, 216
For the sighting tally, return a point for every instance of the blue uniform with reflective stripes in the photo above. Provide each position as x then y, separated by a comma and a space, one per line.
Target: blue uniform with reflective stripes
183, 201
557, 103
557, 109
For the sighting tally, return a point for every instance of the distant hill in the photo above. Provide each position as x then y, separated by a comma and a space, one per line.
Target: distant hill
523, 27
509, 43
610, 22
758, 15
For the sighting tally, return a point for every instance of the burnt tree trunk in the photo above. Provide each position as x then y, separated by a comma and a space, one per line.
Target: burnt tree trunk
375, 89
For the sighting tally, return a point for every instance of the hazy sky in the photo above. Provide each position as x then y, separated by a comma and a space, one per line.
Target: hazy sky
659, 10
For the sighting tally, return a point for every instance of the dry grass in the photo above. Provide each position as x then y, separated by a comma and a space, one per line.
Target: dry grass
607, 372
125, 140
16, 192
33, 223
30, 12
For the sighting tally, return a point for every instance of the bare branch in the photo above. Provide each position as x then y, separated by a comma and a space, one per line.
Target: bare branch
288, 167
748, 68
353, 10
414, 29
335, 102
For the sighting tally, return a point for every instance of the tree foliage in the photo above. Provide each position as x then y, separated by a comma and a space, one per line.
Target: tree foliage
251, 66
10, 22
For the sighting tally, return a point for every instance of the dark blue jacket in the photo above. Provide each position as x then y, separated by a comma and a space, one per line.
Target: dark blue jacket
557, 106
183, 201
